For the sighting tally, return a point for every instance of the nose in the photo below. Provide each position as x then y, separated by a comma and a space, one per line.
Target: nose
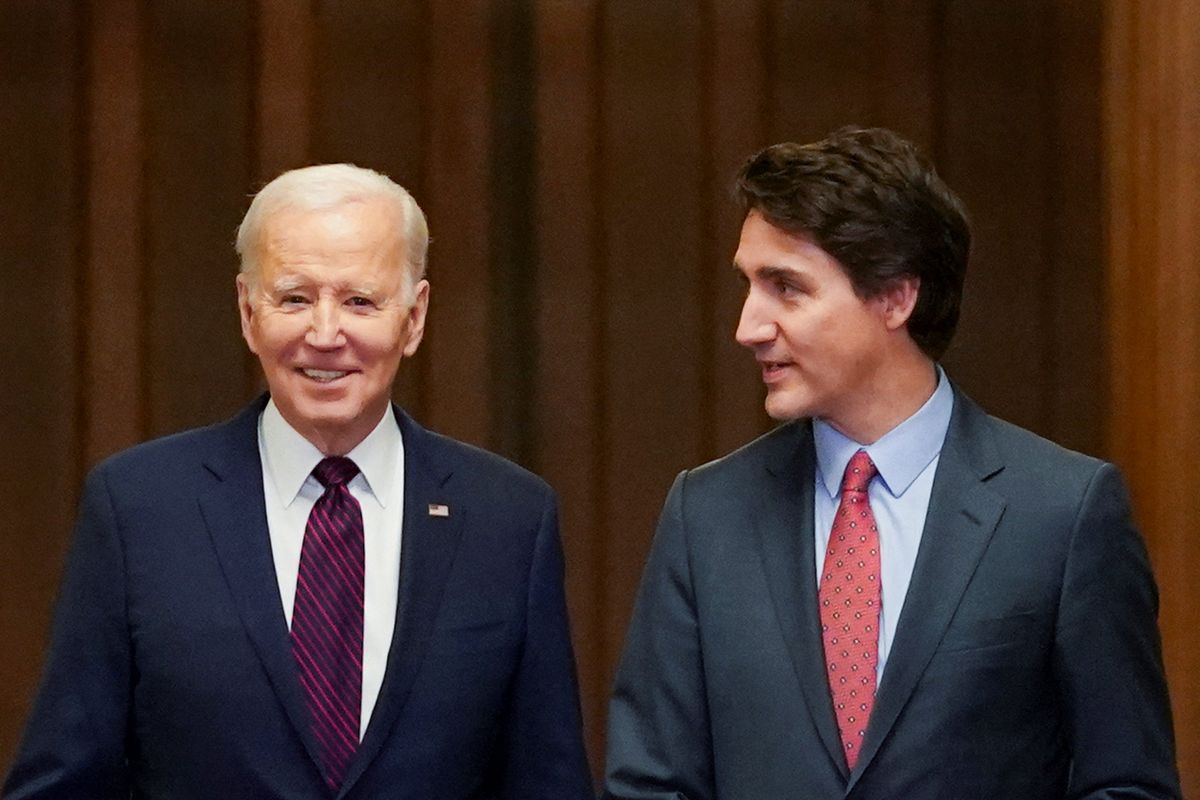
755, 326
325, 325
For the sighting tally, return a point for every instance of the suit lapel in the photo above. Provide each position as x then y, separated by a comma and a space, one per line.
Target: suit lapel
235, 513
785, 526
427, 553
963, 513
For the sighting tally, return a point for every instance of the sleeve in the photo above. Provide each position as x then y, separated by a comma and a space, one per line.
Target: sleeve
74, 745
1108, 656
545, 757
659, 741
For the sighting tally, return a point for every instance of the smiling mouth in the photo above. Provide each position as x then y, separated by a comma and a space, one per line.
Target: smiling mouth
323, 375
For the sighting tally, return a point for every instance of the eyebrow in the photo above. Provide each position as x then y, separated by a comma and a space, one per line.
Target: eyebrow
290, 284
770, 271
286, 284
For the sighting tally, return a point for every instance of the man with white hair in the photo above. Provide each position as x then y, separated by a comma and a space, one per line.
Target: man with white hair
318, 598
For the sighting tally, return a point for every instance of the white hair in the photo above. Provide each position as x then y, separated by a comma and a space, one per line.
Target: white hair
328, 186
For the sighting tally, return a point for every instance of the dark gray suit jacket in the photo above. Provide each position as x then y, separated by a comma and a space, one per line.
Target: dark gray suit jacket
1026, 664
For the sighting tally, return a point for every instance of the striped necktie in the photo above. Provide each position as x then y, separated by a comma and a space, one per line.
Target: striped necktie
327, 619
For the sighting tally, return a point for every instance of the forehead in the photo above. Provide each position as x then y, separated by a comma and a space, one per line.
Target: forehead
764, 246
354, 234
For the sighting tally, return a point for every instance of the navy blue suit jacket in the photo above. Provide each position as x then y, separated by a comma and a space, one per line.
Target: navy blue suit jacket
1026, 663
170, 674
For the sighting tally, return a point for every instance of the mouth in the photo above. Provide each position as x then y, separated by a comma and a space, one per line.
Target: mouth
773, 370
323, 375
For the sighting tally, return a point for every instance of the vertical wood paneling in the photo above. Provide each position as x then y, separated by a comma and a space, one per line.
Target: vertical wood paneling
824, 68
456, 393
284, 87
370, 90
735, 84
198, 170
567, 407
1073, 293
653, 338
511, 238
905, 88
1151, 116
114, 266
994, 152
40, 229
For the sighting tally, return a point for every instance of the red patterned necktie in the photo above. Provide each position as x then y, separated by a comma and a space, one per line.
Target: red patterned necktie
327, 618
849, 603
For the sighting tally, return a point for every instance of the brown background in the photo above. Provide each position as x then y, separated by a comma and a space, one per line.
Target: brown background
574, 157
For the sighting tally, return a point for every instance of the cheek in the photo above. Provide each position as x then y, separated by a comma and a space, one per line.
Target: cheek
378, 341
275, 336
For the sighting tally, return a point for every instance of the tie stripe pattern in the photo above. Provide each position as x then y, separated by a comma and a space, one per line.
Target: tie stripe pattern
849, 599
327, 618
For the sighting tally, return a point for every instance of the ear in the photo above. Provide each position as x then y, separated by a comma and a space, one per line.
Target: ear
246, 310
898, 301
415, 319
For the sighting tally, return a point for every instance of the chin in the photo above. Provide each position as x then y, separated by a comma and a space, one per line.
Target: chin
785, 406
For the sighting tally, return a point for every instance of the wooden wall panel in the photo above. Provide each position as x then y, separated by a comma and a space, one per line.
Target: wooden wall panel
1151, 118
569, 408
455, 390
113, 415
908, 43
284, 90
823, 68
40, 234
512, 238
651, 277
1074, 407
735, 121
199, 170
993, 150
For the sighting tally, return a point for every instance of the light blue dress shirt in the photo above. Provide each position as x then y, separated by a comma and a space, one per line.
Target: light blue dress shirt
907, 458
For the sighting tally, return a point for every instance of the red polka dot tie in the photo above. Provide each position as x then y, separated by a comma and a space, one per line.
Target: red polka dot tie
849, 603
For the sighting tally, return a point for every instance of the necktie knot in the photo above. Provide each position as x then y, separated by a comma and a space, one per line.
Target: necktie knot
859, 473
335, 471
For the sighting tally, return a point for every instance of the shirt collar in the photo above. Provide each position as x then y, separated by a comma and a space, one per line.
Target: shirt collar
291, 458
900, 455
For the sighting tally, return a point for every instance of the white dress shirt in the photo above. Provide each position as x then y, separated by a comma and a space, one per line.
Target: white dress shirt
290, 492
907, 458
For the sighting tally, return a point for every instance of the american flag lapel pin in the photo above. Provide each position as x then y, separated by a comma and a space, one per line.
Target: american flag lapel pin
438, 510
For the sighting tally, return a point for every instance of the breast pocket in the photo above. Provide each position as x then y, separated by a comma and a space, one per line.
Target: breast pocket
473, 629
994, 633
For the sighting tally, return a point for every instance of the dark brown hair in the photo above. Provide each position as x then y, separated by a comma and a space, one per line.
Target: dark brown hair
873, 202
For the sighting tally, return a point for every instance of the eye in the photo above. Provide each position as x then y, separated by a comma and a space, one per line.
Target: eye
293, 299
361, 302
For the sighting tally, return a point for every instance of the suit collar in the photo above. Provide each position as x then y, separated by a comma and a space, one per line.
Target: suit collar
785, 527
235, 514
963, 514
236, 517
290, 458
900, 455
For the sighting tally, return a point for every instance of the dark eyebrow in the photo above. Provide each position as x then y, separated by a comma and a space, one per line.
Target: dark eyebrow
770, 272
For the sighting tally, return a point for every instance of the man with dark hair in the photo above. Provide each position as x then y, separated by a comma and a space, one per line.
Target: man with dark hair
892, 595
